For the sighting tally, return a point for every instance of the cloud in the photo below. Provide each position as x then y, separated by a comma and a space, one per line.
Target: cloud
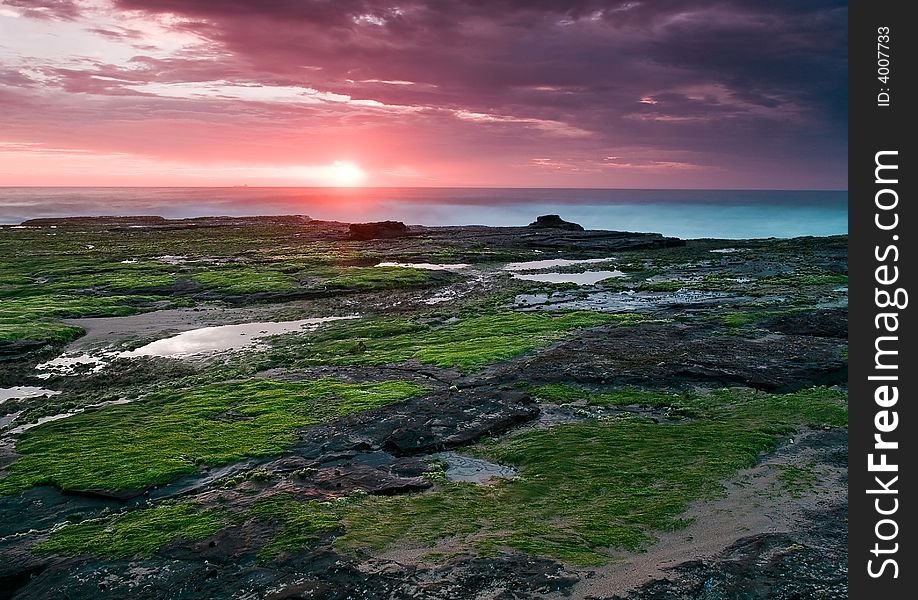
15, 78
746, 85
481, 55
67, 10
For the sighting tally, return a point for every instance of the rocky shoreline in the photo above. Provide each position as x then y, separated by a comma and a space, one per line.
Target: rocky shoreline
481, 370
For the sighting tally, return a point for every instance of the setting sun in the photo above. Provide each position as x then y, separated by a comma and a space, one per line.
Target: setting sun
344, 174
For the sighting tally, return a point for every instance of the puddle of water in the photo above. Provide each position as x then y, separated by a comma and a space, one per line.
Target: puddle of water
203, 340
41, 421
67, 364
551, 263
474, 470
25, 391
223, 338
444, 297
172, 260
585, 278
427, 266
727, 250
64, 415
5, 420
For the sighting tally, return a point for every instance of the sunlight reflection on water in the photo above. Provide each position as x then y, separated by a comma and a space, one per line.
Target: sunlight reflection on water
224, 337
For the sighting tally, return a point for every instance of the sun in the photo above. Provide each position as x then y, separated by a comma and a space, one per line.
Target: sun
342, 173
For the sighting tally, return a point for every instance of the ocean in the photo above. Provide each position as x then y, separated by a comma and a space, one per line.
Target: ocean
728, 214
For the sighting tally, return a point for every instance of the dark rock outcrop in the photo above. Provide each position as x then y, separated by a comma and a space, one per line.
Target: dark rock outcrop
437, 421
554, 222
676, 356
17, 349
830, 323
378, 230
320, 574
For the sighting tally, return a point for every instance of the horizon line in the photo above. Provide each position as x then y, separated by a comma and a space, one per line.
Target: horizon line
418, 187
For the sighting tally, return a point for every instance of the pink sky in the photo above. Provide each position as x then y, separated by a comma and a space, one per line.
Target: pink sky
726, 94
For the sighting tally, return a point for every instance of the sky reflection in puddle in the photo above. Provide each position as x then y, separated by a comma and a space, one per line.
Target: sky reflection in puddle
195, 342
585, 278
223, 338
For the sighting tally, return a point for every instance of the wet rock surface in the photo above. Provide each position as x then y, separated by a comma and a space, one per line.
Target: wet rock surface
369, 452
18, 350
676, 356
830, 323
45, 507
595, 243
321, 574
438, 421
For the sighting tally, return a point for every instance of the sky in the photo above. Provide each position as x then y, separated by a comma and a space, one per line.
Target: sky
522, 93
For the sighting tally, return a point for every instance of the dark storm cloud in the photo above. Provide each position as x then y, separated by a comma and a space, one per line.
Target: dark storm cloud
741, 85
536, 55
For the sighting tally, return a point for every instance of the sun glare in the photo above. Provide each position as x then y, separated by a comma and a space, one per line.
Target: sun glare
344, 174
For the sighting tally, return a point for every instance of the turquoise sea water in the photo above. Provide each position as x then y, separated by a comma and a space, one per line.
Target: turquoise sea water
733, 214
